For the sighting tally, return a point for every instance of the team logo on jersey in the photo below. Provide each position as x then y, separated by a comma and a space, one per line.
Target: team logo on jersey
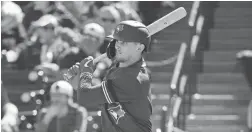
116, 112
119, 28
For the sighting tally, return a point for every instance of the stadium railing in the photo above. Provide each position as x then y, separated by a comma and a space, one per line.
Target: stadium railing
183, 83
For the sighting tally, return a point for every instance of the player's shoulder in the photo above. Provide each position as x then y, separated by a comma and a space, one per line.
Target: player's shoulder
140, 74
126, 73
135, 71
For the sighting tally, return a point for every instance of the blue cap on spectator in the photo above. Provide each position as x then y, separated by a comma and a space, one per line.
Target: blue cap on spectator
131, 31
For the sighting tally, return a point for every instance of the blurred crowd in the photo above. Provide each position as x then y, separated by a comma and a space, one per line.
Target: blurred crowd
52, 36
63, 33
58, 32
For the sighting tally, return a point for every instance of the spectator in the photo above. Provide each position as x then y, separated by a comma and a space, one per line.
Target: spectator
126, 12
94, 38
94, 9
94, 35
12, 30
245, 58
11, 22
148, 16
9, 46
47, 74
9, 40
51, 43
76, 8
38, 9
46, 7
72, 54
9, 113
12, 16
11, 50
62, 115
109, 17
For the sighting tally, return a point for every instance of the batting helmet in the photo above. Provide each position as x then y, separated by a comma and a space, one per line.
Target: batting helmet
132, 31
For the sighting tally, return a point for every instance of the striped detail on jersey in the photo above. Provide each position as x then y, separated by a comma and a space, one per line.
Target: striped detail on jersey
104, 89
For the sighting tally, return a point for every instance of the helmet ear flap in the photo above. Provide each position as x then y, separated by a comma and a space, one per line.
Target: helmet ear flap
111, 50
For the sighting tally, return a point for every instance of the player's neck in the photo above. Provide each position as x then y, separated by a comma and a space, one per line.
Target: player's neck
130, 61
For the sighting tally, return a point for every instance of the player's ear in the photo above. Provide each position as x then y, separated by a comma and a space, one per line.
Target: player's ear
140, 47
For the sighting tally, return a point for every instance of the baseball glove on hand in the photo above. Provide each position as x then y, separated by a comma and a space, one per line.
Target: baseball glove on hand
87, 70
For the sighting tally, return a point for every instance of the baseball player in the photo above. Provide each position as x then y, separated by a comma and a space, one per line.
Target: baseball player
125, 91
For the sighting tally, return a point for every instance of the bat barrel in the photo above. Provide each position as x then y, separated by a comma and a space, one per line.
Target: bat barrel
166, 20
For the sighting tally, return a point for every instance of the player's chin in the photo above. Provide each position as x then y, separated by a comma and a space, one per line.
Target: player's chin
118, 58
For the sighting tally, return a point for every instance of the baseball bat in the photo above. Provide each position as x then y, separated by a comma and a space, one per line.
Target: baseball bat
166, 20
153, 28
